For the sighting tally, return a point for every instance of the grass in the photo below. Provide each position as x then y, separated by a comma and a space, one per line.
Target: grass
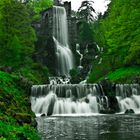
121, 75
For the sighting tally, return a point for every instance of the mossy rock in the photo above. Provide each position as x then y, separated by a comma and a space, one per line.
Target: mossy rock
23, 118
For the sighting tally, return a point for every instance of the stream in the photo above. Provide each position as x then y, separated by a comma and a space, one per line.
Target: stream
98, 127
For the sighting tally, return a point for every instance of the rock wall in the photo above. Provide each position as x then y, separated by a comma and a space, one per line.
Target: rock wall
44, 48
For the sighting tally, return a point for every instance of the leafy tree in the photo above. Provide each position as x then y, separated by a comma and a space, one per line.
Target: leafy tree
85, 13
13, 55
40, 5
86, 34
16, 27
118, 33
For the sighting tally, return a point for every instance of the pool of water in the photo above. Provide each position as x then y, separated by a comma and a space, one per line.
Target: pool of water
100, 127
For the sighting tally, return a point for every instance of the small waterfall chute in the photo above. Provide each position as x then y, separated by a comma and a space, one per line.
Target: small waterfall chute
128, 97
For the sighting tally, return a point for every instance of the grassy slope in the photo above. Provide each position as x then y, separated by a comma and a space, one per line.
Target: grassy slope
122, 75
13, 100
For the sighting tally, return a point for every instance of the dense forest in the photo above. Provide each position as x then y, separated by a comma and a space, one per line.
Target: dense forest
18, 70
116, 32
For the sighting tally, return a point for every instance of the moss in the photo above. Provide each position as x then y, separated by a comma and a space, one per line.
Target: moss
15, 113
16, 132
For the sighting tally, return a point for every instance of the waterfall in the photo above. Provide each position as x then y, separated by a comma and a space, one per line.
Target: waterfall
128, 97
60, 35
61, 97
65, 99
54, 99
81, 55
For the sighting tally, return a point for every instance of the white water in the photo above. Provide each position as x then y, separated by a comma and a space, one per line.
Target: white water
64, 105
60, 35
61, 99
81, 55
128, 97
81, 98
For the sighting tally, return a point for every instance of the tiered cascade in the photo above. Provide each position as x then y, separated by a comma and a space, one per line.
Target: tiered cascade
67, 99
128, 96
61, 97
54, 99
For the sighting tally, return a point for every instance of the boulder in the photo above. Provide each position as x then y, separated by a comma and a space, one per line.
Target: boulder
43, 115
129, 111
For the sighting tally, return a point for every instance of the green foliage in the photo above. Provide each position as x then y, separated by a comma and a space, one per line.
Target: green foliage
99, 70
37, 6
37, 73
40, 5
122, 75
121, 31
75, 76
118, 33
13, 53
15, 132
9, 90
123, 72
134, 54
13, 99
86, 33
17, 37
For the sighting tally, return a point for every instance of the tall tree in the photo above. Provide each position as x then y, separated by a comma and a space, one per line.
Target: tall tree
86, 11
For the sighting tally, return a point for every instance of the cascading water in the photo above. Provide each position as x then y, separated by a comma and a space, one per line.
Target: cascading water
54, 99
128, 97
81, 55
64, 99
60, 35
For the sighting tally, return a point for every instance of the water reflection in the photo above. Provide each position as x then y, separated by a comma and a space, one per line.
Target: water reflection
107, 127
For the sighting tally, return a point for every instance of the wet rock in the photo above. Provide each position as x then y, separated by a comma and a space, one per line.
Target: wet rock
107, 111
108, 87
86, 100
113, 103
6, 69
129, 111
43, 115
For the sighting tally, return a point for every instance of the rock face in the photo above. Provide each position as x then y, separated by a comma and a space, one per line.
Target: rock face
45, 53
109, 91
